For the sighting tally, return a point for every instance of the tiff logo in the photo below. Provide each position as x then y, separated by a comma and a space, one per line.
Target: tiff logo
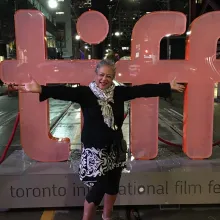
200, 70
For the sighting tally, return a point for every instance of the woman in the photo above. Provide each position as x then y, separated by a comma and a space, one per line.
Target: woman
102, 105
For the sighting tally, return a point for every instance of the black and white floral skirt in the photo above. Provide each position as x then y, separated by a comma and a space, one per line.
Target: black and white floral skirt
96, 162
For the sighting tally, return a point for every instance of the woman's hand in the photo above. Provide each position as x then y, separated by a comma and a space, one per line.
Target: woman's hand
33, 87
176, 86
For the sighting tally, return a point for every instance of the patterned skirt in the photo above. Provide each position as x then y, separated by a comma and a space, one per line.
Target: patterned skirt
96, 162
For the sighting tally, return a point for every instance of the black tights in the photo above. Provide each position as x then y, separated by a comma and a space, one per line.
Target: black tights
106, 184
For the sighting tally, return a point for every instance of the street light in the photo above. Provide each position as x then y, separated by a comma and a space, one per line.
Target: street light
77, 37
117, 34
52, 3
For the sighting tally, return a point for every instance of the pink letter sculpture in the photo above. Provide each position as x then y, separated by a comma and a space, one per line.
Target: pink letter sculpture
200, 70
36, 139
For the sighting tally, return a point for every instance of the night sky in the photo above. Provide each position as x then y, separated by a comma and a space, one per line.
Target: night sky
145, 5
100, 5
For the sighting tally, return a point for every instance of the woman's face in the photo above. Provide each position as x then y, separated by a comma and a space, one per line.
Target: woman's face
104, 77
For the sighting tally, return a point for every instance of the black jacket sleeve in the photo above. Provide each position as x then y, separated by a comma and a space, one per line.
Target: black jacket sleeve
62, 93
144, 91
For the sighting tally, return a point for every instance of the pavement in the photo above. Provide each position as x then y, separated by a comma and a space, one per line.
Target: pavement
145, 213
8, 111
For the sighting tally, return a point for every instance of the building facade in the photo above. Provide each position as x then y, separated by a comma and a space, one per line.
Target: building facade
58, 26
64, 24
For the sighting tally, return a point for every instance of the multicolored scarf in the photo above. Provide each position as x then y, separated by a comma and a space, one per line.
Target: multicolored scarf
104, 98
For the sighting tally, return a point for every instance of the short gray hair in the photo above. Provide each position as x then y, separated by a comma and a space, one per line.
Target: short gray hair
106, 62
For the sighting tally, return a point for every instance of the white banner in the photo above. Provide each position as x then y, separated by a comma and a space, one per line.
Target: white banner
28, 191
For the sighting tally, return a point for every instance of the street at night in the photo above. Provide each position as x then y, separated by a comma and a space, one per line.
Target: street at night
109, 109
